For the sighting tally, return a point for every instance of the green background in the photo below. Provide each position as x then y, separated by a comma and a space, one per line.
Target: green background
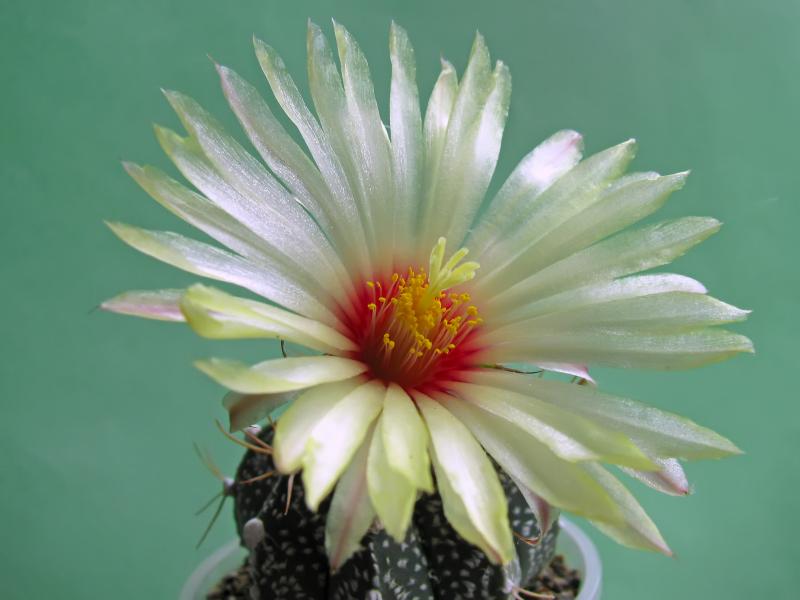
98, 482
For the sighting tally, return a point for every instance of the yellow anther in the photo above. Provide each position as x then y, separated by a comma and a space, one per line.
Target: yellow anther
420, 313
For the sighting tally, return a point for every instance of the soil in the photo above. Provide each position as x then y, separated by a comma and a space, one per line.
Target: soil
556, 582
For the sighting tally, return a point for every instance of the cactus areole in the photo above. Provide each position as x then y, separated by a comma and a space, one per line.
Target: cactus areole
428, 430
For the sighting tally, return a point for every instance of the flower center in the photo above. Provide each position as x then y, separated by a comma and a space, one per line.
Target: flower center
413, 326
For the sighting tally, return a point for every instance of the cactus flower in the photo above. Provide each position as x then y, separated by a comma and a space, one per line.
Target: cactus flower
375, 247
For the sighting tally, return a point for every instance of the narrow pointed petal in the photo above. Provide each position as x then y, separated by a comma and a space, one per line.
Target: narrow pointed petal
437, 118
562, 483
390, 491
658, 433
569, 436
606, 291
289, 162
280, 374
214, 263
263, 196
637, 530
247, 409
481, 158
161, 305
335, 439
571, 194
351, 513
625, 202
623, 254
581, 371
669, 312
533, 175
471, 476
266, 204
282, 154
456, 513
198, 211
288, 236
470, 149
296, 424
213, 313
371, 151
406, 127
669, 479
405, 438
318, 143
331, 104
627, 349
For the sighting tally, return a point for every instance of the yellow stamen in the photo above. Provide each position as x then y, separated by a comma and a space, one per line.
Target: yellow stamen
419, 314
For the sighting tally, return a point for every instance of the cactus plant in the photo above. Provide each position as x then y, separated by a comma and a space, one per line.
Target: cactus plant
405, 410
288, 560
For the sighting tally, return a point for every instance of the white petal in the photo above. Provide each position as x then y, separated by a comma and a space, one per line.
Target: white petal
470, 149
265, 204
281, 239
161, 305
478, 162
605, 291
456, 513
296, 424
437, 118
621, 204
406, 438
656, 432
288, 161
213, 313
331, 104
580, 371
669, 479
280, 374
290, 99
623, 254
516, 255
198, 211
336, 437
637, 530
625, 349
625, 202
214, 263
471, 476
391, 492
371, 151
406, 128
562, 483
569, 436
351, 513
669, 312
535, 173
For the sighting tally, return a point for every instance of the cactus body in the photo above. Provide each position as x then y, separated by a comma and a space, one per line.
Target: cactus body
288, 560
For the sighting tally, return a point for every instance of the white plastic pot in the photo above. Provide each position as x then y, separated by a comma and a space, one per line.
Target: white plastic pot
578, 550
